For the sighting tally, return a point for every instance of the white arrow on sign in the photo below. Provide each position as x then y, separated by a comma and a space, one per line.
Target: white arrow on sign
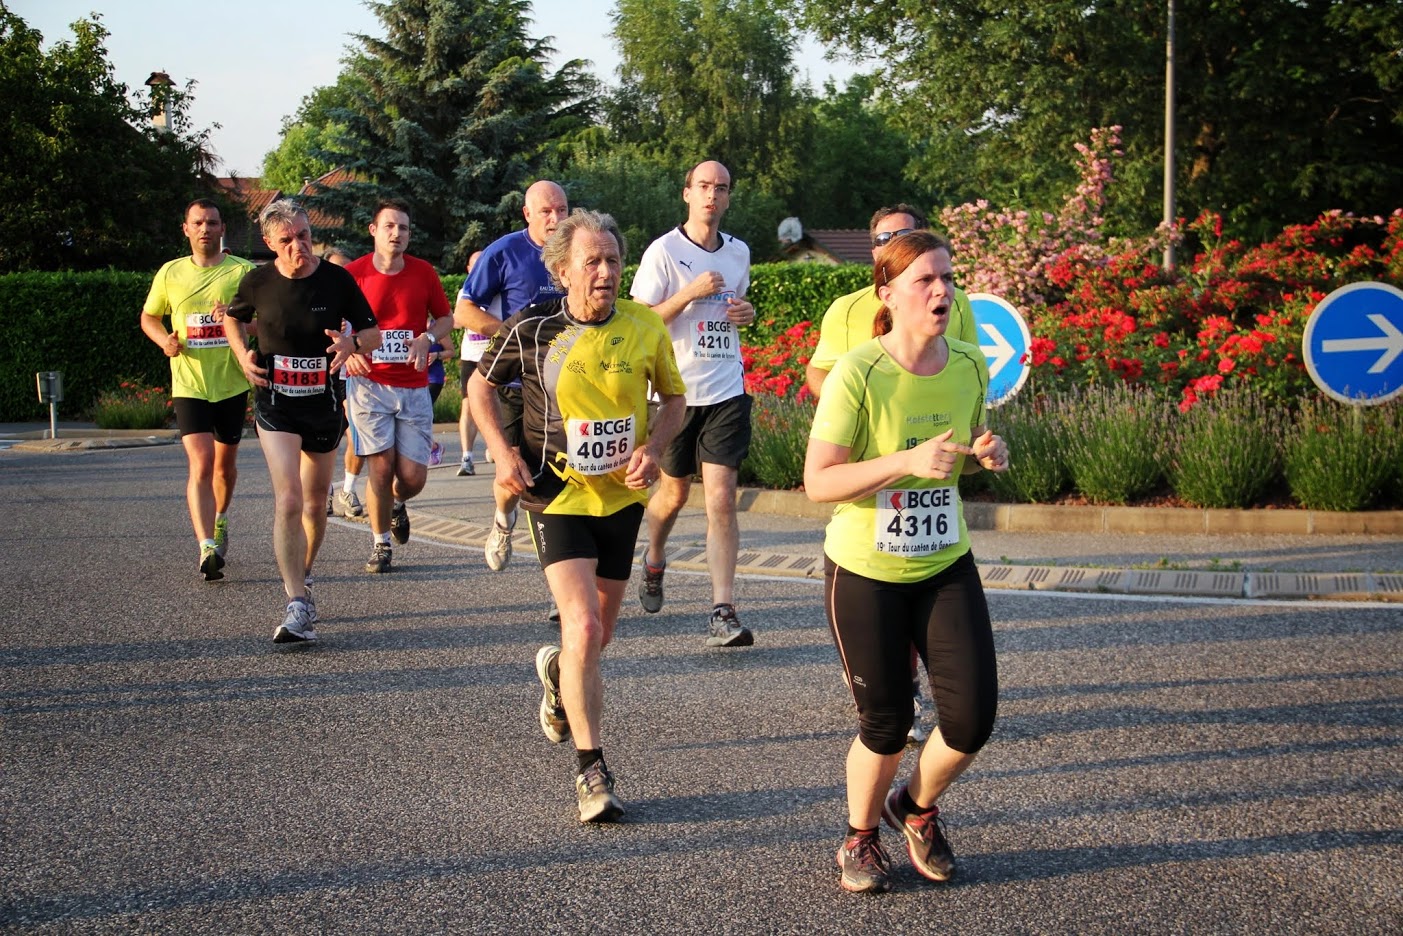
1001, 351
1391, 344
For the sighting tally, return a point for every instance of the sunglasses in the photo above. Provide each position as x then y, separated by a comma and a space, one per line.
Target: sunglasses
886, 237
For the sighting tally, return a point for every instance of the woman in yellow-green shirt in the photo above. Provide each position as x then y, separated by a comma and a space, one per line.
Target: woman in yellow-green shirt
901, 417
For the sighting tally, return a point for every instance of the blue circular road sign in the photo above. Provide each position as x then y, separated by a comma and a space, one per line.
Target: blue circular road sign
1353, 344
1005, 341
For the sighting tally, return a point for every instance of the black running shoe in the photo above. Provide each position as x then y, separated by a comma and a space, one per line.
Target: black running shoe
211, 562
379, 560
399, 524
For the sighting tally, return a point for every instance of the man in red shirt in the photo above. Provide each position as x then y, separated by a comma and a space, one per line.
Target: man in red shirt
387, 392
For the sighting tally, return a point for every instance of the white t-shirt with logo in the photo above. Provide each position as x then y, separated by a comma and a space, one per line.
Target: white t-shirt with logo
705, 342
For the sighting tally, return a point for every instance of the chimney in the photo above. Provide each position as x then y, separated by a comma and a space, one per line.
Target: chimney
160, 84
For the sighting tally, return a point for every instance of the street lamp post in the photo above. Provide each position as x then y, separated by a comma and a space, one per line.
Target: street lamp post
1169, 136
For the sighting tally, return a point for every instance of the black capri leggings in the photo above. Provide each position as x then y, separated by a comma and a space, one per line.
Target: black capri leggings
874, 625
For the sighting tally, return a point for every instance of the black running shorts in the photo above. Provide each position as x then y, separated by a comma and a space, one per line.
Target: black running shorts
718, 434
224, 418
320, 425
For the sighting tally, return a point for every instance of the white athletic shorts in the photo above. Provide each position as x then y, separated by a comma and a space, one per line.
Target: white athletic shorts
384, 417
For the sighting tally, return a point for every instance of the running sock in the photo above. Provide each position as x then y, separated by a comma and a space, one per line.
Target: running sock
654, 568
220, 516
397, 505
206, 544
502, 520
348, 485
587, 758
383, 538
852, 831
908, 804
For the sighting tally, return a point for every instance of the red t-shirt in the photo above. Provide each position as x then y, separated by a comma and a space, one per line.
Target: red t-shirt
402, 303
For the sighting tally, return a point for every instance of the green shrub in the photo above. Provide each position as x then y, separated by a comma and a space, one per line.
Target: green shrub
779, 441
132, 405
449, 404
1340, 457
1115, 442
82, 324
785, 294
1226, 449
1035, 431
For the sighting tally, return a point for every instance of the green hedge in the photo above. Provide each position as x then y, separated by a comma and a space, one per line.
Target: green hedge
85, 325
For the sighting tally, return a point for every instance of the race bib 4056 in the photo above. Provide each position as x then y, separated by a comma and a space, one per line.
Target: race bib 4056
599, 446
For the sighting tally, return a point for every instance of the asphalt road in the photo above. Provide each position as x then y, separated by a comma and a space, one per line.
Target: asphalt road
1164, 766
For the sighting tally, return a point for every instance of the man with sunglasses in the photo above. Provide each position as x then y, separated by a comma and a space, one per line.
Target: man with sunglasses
848, 321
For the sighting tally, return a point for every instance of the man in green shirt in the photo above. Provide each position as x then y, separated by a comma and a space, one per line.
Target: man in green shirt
848, 321
208, 386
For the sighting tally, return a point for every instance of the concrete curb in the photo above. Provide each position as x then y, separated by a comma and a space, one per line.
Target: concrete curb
1043, 518
1211, 583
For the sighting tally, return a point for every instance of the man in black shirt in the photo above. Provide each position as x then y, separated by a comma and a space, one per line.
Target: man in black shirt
299, 303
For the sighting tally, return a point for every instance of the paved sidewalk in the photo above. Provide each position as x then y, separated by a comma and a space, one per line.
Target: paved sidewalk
1152, 551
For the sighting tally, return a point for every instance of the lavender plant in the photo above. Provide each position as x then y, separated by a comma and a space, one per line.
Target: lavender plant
1226, 451
1115, 442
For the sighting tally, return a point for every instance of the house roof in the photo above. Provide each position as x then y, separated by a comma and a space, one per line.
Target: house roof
846, 245
241, 233
321, 220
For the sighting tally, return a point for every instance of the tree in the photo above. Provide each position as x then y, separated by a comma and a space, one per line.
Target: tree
1286, 107
856, 162
311, 130
712, 79
88, 181
452, 111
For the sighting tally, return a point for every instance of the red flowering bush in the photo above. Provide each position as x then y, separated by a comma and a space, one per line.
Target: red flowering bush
133, 405
777, 368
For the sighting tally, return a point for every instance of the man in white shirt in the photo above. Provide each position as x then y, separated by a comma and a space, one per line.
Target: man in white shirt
695, 277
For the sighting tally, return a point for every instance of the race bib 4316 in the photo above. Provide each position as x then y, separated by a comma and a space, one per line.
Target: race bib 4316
917, 521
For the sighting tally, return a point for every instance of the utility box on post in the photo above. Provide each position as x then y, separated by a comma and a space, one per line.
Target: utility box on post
51, 392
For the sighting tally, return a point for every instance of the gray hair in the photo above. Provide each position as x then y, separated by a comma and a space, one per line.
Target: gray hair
556, 252
283, 212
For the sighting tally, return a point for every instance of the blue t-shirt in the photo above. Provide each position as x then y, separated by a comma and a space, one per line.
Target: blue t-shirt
510, 267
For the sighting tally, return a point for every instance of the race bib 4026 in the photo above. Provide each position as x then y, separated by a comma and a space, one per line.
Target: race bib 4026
202, 331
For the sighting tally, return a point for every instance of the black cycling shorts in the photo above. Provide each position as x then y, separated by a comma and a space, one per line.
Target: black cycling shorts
609, 540
946, 618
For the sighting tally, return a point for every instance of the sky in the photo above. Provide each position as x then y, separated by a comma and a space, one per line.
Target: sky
254, 60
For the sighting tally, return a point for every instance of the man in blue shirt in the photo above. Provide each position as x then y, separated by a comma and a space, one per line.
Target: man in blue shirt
510, 269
